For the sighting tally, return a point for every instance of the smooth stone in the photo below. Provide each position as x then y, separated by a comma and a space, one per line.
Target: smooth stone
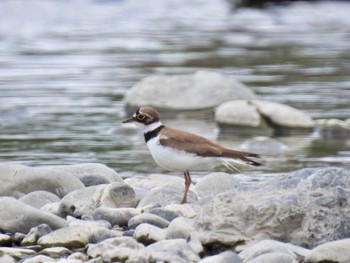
83, 202
224, 257
16, 216
333, 128
179, 228
274, 257
163, 196
17, 252
335, 251
72, 237
103, 234
115, 216
201, 90
215, 183
56, 252
18, 237
35, 233
5, 240
153, 181
53, 208
184, 210
149, 219
90, 173
165, 213
254, 251
18, 180
7, 259
306, 207
39, 259
266, 116
78, 256
174, 250
111, 246
148, 234
38, 199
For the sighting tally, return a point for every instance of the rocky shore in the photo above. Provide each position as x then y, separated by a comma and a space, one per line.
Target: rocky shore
88, 213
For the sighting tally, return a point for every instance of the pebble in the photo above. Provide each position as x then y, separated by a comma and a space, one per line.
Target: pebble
38, 199
56, 252
179, 228
148, 234
35, 233
115, 216
5, 240
39, 259
335, 251
149, 219
16, 252
224, 257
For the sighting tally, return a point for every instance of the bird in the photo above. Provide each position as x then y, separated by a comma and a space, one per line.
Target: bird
177, 150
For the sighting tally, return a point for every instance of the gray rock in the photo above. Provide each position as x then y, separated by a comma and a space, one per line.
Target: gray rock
104, 233
333, 128
56, 252
215, 183
90, 173
18, 180
174, 250
38, 259
71, 237
7, 259
306, 207
149, 219
153, 181
165, 213
274, 257
35, 233
148, 234
184, 210
266, 116
201, 90
16, 216
16, 252
5, 240
268, 246
335, 251
115, 216
224, 257
85, 201
78, 256
179, 228
38, 199
166, 195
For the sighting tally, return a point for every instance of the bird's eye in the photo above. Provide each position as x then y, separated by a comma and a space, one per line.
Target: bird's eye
141, 116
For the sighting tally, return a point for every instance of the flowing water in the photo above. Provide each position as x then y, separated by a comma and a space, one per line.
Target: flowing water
66, 65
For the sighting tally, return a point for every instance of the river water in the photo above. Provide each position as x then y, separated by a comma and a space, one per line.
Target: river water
66, 65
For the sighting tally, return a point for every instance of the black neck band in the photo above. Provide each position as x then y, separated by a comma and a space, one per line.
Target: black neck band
151, 134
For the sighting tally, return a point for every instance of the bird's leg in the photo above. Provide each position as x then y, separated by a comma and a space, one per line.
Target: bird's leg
187, 186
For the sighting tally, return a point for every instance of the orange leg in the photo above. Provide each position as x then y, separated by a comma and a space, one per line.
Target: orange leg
187, 186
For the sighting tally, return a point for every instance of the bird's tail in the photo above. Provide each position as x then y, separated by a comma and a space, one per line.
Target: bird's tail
243, 156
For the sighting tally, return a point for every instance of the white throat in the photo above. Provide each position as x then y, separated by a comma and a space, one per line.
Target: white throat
152, 126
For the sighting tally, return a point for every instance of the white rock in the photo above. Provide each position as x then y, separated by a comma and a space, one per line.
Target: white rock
274, 257
115, 216
39, 259
38, 199
16, 252
335, 251
148, 234
149, 219
179, 228
201, 90
224, 257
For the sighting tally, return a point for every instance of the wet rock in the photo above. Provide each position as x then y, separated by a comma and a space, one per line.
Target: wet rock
201, 90
166, 195
149, 219
38, 199
18, 180
115, 216
70, 237
35, 233
276, 249
179, 228
85, 201
39, 259
5, 240
16, 216
16, 252
215, 183
174, 250
90, 173
224, 257
7, 259
336, 251
305, 207
148, 234
56, 252
333, 128
265, 116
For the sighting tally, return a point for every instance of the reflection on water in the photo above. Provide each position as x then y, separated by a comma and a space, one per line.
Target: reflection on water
66, 65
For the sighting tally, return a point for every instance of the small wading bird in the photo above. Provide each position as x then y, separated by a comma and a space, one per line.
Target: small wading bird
177, 150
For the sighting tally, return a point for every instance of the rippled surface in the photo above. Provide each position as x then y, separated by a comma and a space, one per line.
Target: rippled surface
65, 66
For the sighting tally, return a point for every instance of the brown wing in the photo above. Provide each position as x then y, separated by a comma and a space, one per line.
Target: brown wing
199, 145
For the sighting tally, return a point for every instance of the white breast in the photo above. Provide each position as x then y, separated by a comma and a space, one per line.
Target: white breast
174, 160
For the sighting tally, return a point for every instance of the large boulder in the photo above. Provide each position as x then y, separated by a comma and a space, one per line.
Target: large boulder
201, 90
262, 117
307, 207
16, 216
18, 180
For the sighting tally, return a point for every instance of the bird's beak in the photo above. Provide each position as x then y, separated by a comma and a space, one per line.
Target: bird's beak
129, 120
